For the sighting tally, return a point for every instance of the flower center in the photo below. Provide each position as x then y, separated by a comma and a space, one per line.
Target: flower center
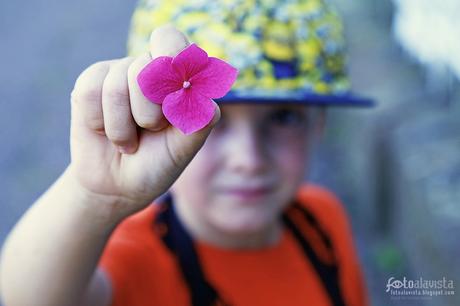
186, 84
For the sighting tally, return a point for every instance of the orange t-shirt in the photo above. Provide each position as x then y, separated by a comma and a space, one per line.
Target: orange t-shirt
144, 272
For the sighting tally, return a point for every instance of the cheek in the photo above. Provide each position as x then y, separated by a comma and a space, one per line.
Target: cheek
192, 185
292, 161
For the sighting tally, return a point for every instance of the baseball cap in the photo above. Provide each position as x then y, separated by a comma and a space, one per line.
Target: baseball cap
290, 51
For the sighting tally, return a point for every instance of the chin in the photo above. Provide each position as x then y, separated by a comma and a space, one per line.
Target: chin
242, 224
240, 216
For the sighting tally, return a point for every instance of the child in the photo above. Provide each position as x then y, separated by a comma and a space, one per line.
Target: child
238, 227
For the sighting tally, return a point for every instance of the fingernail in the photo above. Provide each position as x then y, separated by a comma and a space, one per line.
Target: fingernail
126, 149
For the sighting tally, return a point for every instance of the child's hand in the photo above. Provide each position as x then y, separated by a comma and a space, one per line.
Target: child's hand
122, 147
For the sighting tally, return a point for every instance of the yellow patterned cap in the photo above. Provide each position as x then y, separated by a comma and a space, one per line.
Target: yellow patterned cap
286, 51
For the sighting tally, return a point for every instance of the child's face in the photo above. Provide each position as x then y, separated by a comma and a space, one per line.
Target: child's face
250, 166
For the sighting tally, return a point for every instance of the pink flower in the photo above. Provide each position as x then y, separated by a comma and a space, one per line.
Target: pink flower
184, 86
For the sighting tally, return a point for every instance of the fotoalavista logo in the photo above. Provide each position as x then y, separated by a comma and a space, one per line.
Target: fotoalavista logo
420, 287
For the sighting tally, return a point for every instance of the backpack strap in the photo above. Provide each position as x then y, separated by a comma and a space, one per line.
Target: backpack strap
328, 273
180, 243
203, 293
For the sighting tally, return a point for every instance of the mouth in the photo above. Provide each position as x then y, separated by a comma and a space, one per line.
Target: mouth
247, 193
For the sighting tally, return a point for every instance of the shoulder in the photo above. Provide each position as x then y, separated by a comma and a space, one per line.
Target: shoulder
331, 216
135, 246
324, 205
135, 260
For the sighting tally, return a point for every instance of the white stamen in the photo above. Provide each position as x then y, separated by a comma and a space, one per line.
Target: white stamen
186, 84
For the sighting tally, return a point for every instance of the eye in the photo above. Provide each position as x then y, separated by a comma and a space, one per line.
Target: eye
286, 117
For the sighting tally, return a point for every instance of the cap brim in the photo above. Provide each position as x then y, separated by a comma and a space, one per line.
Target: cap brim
348, 99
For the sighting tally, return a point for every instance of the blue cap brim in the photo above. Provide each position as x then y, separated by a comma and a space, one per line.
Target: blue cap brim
307, 99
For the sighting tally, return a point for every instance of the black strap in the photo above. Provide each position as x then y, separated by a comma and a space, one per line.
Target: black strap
180, 243
328, 273
312, 220
202, 292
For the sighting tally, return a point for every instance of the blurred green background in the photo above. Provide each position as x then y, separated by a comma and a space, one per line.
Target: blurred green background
396, 167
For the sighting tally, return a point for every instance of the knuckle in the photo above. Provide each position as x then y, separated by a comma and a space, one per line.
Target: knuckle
96, 69
115, 89
82, 93
117, 95
136, 66
88, 85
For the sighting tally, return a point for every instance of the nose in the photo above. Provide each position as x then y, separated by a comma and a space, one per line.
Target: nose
247, 154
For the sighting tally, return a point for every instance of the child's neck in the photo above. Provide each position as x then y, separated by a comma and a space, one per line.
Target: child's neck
204, 231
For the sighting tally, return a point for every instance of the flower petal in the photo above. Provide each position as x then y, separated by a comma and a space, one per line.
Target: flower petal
188, 110
216, 79
190, 61
158, 79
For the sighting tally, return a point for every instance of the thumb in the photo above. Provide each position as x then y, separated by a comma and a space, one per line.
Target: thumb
184, 147
167, 41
